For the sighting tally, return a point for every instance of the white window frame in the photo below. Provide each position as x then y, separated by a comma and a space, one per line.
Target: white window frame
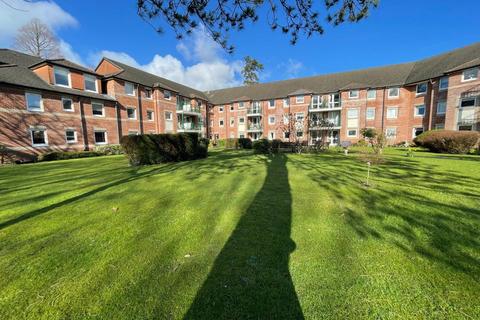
167, 95
241, 105
393, 96
374, 94
350, 96
274, 120
133, 88
151, 93
134, 113
241, 120
104, 132
286, 102
168, 116
441, 102
271, 135
133, 132
55, 68
440, 87
469, 98
472, 79
421, 93
439, 126
45, 136
220, 108
417, 107
366, 113
396, 112
153, 115
414, 129
103, 109
71, 101
300, 99
85, 76
232, 108
391, 137
74, 136
297, 116
27, 93
352, 129
270, 106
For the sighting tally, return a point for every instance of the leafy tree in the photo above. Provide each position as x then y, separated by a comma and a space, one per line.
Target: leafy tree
292, 127
37, 39
250, 70
292, 17
376, 139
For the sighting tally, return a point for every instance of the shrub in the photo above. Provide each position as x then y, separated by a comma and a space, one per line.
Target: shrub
64, 155
448, 141
108, 150
275, 145
261, 146
245, 143
231, 143
159, 148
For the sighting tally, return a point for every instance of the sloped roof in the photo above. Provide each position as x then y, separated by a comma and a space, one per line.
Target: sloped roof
15, 71
147, 79
65, 63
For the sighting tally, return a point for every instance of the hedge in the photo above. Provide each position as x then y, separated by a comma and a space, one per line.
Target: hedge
266, 146
64, 155
448, 141
234, 143
159, 148
111, 149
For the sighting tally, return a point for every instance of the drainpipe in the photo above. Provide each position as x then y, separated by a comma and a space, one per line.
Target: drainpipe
383, 110
118, 124
430, 111
84, 126
140, 112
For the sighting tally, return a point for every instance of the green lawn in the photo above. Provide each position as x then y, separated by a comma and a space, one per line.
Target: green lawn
239, 235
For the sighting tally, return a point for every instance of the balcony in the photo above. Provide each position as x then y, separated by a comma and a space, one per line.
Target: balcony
325, 124
254, 111
254, 127
188, 109
189, 127
325, 106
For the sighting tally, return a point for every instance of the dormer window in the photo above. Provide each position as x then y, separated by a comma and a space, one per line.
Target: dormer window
90, 83
129, 89
62, 76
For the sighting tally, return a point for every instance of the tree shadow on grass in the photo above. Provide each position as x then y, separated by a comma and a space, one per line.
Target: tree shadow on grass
250, 278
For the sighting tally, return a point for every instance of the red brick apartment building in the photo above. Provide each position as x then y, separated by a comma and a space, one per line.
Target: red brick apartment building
59, 105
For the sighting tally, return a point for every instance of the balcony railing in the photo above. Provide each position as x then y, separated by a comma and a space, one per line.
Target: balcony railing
189, 126
324, 123
254, 110
325, 106
254, 127
468, 121
188, 108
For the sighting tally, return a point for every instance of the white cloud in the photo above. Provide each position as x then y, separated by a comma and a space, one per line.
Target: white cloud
209, 70
68, 53
291, 68
16, 13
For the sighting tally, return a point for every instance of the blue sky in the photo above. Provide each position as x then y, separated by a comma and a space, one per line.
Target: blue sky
398, 31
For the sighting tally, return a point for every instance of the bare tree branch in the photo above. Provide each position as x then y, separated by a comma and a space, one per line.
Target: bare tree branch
37, 39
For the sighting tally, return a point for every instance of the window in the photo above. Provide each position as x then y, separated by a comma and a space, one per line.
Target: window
232, 122
371, 94
299, 117
67, 104
315, 102
241, 105
271, 103
443, 84
168, 115
70, 136
286, 102
34, 101
39, 137
220, 109
271, 135
416, 132
167, 95
132, 133
271, 120
97, 110
286, 135
392, 113
464, 128
352, 133
353, 94
421, 88
199, 103
241, 120
470, 74
441, 107
131, 113
394, 92
220, 123
211, 123
352, 113
391, 133
148, 93
241, 135
150, 115
129, 89
420, 110
299, 134
439, 126
232, 108
352, 118
370, 113
62, 77
300, 99
90, 82
467, 102
100, 137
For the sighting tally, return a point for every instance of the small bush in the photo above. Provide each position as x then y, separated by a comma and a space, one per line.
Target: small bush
245, 143
261, 146
64, 155
159, 148
275, 145
111, 149
448, 141
231, 143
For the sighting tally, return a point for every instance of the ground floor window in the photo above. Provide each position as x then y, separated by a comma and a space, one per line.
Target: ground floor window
352, 133
417, 132
391, 133
70, 136
271, 135
39, 137
299, 134
132, 132
100, 137
465, 128
149, 115
286, 135
241, 136
440, 126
